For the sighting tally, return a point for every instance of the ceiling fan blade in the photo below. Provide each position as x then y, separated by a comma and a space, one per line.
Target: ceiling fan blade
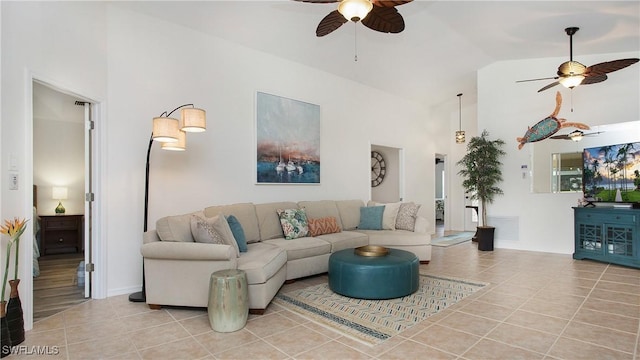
549, 86
384, 19
390, 3
330, 23
593, 79
547, 78
610, 66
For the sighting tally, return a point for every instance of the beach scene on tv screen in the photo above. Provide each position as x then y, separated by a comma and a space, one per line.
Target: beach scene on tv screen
611, 173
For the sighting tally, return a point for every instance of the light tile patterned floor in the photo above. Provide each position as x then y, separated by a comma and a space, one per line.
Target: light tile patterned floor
537, 306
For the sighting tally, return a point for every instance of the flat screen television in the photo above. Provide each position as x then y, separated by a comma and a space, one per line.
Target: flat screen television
611, 173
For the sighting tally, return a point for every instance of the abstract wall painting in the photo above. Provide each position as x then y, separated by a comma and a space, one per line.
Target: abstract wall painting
287, 141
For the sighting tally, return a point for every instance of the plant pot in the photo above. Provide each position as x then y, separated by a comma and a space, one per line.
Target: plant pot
485, 237
4, 335
15, 318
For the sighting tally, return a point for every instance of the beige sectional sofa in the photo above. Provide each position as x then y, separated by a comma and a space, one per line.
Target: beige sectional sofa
177, 269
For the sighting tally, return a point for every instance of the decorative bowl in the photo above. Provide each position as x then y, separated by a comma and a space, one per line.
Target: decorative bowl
371, 250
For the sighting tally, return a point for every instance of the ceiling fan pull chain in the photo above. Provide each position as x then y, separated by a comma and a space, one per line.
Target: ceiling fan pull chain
571, 90
355, 41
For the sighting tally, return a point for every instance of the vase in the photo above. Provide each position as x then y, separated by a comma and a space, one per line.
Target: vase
4, 336
15, 319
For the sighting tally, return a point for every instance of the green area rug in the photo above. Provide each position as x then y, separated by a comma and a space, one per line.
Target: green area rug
373, 321
452, 239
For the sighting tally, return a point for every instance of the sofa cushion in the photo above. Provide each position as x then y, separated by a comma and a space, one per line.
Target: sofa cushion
294, 223
371, 218
407, 215
175, 228
349, 213
268, 220
246, 215
397, 238
390, 214
238, 232
261, 262
302, 247
203, 230
324, 225
320, 209
345, 240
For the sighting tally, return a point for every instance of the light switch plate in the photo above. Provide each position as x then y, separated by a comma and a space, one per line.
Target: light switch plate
13, 181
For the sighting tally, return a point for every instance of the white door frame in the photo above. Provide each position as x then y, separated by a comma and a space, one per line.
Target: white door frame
99, 177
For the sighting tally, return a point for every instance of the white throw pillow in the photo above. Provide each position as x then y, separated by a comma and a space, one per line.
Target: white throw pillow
390, 214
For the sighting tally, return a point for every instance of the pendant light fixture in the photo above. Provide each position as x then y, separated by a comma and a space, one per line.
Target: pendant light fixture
460, 138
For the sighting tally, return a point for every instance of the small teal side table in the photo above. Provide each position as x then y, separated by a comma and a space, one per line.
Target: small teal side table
228, 306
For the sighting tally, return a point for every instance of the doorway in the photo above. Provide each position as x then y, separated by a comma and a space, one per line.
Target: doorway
386, 174
61, 172
440, 194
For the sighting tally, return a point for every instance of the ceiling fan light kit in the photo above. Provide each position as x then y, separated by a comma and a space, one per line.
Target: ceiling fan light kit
355, 10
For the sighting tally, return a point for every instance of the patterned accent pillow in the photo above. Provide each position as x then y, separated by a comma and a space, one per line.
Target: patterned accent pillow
203, 230
324, 225
211, 230
406, 219
294, 223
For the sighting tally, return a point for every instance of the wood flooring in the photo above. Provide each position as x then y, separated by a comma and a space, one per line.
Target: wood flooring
56, 289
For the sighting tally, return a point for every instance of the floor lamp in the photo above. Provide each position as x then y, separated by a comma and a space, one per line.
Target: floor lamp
172, 134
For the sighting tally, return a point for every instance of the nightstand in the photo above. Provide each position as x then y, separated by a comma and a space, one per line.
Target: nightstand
62, 234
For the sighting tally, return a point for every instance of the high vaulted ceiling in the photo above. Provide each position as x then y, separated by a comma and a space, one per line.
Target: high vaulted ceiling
440, 50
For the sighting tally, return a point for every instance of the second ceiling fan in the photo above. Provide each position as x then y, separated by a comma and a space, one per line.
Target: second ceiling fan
378, 15
572, 73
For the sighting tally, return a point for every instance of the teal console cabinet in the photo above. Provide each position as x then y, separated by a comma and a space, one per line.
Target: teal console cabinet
608, 234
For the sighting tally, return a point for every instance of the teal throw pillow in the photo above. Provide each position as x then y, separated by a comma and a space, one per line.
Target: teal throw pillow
238, 232
371, 218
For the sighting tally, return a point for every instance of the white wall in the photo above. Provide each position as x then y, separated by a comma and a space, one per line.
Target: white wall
58, 160
138, 67
64, 42
506, 109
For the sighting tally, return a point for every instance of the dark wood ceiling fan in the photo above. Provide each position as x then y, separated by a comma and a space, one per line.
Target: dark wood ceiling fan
572, 73
378, 15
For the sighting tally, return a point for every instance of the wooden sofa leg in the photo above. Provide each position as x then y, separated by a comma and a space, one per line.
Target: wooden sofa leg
256, 311
155, 306
424, 262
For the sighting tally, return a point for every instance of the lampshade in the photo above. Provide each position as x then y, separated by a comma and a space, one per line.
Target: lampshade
59, 193
571, 81
460, 137
576, 135
180, 145
165, 129
355, 10
193, 120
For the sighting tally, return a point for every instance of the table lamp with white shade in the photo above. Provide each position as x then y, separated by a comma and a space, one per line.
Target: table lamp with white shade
59, 193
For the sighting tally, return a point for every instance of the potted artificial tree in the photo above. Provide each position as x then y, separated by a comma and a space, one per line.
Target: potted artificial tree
481, 169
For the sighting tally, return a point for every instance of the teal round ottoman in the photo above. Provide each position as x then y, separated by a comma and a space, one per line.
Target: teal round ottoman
378, 277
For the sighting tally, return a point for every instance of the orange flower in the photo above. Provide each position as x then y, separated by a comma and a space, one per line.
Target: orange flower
14, 228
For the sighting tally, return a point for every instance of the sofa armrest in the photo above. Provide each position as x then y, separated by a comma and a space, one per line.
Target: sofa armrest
187, 251
422, 224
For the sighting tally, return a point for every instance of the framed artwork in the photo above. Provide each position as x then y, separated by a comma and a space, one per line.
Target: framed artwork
287, 141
